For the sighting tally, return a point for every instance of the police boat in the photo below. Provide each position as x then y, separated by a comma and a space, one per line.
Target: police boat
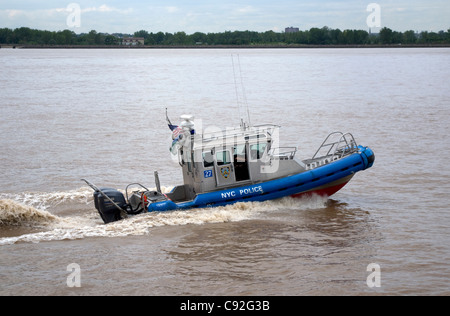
243, 164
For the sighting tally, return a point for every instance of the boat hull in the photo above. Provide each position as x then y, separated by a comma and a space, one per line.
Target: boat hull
326, 190
325, 181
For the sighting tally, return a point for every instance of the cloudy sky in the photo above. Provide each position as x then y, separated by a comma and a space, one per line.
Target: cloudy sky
218, 16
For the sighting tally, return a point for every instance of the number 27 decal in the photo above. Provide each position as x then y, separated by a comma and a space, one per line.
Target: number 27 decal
208, 173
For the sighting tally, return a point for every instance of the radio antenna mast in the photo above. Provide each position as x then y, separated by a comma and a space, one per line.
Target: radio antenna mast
246, 111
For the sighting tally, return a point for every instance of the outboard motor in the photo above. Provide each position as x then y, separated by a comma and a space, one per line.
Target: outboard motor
109, 211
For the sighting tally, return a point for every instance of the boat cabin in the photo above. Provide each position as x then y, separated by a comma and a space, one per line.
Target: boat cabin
213, 161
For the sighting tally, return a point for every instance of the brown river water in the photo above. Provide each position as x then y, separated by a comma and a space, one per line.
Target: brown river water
100, 115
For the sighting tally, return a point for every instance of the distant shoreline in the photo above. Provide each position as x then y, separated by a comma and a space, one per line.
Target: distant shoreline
293, 46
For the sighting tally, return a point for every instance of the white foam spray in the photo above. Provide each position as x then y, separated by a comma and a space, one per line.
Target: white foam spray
89, 224
13, 213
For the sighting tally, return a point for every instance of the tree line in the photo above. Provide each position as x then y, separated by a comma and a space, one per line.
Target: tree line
314, 36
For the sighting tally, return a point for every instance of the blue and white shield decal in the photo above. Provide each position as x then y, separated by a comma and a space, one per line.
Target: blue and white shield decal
225, 171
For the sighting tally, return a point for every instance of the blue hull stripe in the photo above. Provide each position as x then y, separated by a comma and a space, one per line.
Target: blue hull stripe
279, 188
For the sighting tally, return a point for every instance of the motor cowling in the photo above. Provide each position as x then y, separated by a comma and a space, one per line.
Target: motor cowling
107, 210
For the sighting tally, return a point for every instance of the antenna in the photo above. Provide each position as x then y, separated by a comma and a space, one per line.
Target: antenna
243, 92
236, 88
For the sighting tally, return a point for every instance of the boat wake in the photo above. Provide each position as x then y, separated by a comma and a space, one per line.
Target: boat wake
15, 214
71, 215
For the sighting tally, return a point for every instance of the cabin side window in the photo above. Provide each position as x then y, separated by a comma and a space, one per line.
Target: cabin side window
208, 159
223, 158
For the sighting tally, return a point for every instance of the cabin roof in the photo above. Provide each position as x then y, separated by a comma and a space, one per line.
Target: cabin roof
254, 134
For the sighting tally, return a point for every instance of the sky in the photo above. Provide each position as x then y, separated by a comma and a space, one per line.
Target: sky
114, 16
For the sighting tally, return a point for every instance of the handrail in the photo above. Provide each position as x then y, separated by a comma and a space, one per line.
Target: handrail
238, 132
126, 189
289, 152
344, 146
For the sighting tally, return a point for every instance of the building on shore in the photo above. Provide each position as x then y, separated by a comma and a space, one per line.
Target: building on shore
292, 29
133, 41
